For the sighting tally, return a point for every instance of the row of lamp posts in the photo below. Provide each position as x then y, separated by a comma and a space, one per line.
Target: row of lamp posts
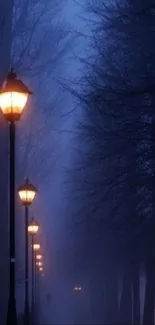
27, 193
14, 95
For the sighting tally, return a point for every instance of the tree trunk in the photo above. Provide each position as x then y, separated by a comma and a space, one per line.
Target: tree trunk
111, 312
136, 293
97, 301
125, 311
148, 313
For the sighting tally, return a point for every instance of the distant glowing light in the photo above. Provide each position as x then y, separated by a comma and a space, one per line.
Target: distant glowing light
77, 288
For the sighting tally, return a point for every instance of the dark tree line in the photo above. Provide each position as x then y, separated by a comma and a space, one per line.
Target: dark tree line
116, 171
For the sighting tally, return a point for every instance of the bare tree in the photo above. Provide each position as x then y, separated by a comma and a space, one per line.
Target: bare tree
40, 41
116, 163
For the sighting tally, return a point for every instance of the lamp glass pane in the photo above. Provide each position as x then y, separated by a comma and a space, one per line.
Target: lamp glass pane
36, 247
27, 196
32, 229
13, 102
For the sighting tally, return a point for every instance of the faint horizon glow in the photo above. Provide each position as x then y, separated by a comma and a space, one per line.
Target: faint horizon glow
77, 288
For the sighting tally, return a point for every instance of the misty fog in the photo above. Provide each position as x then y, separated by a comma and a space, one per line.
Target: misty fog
86, 141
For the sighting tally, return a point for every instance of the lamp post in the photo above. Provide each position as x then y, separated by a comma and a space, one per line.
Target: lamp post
36, 247
27, 194
38, 275
39, 263
13, 98
32, 230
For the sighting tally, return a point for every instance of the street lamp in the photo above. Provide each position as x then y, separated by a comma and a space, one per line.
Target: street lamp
13, 98
33, 228
27, 194
38, 257
39, 263
36, 247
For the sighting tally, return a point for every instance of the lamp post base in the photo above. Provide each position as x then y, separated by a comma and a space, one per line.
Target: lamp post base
12, 313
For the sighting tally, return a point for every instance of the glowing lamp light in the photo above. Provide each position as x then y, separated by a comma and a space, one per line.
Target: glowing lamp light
13, 97
33, 228
36, 247
38, 257
41, 269
39, 264
27, 193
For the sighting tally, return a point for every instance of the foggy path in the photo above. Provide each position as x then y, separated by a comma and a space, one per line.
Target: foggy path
79, 239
